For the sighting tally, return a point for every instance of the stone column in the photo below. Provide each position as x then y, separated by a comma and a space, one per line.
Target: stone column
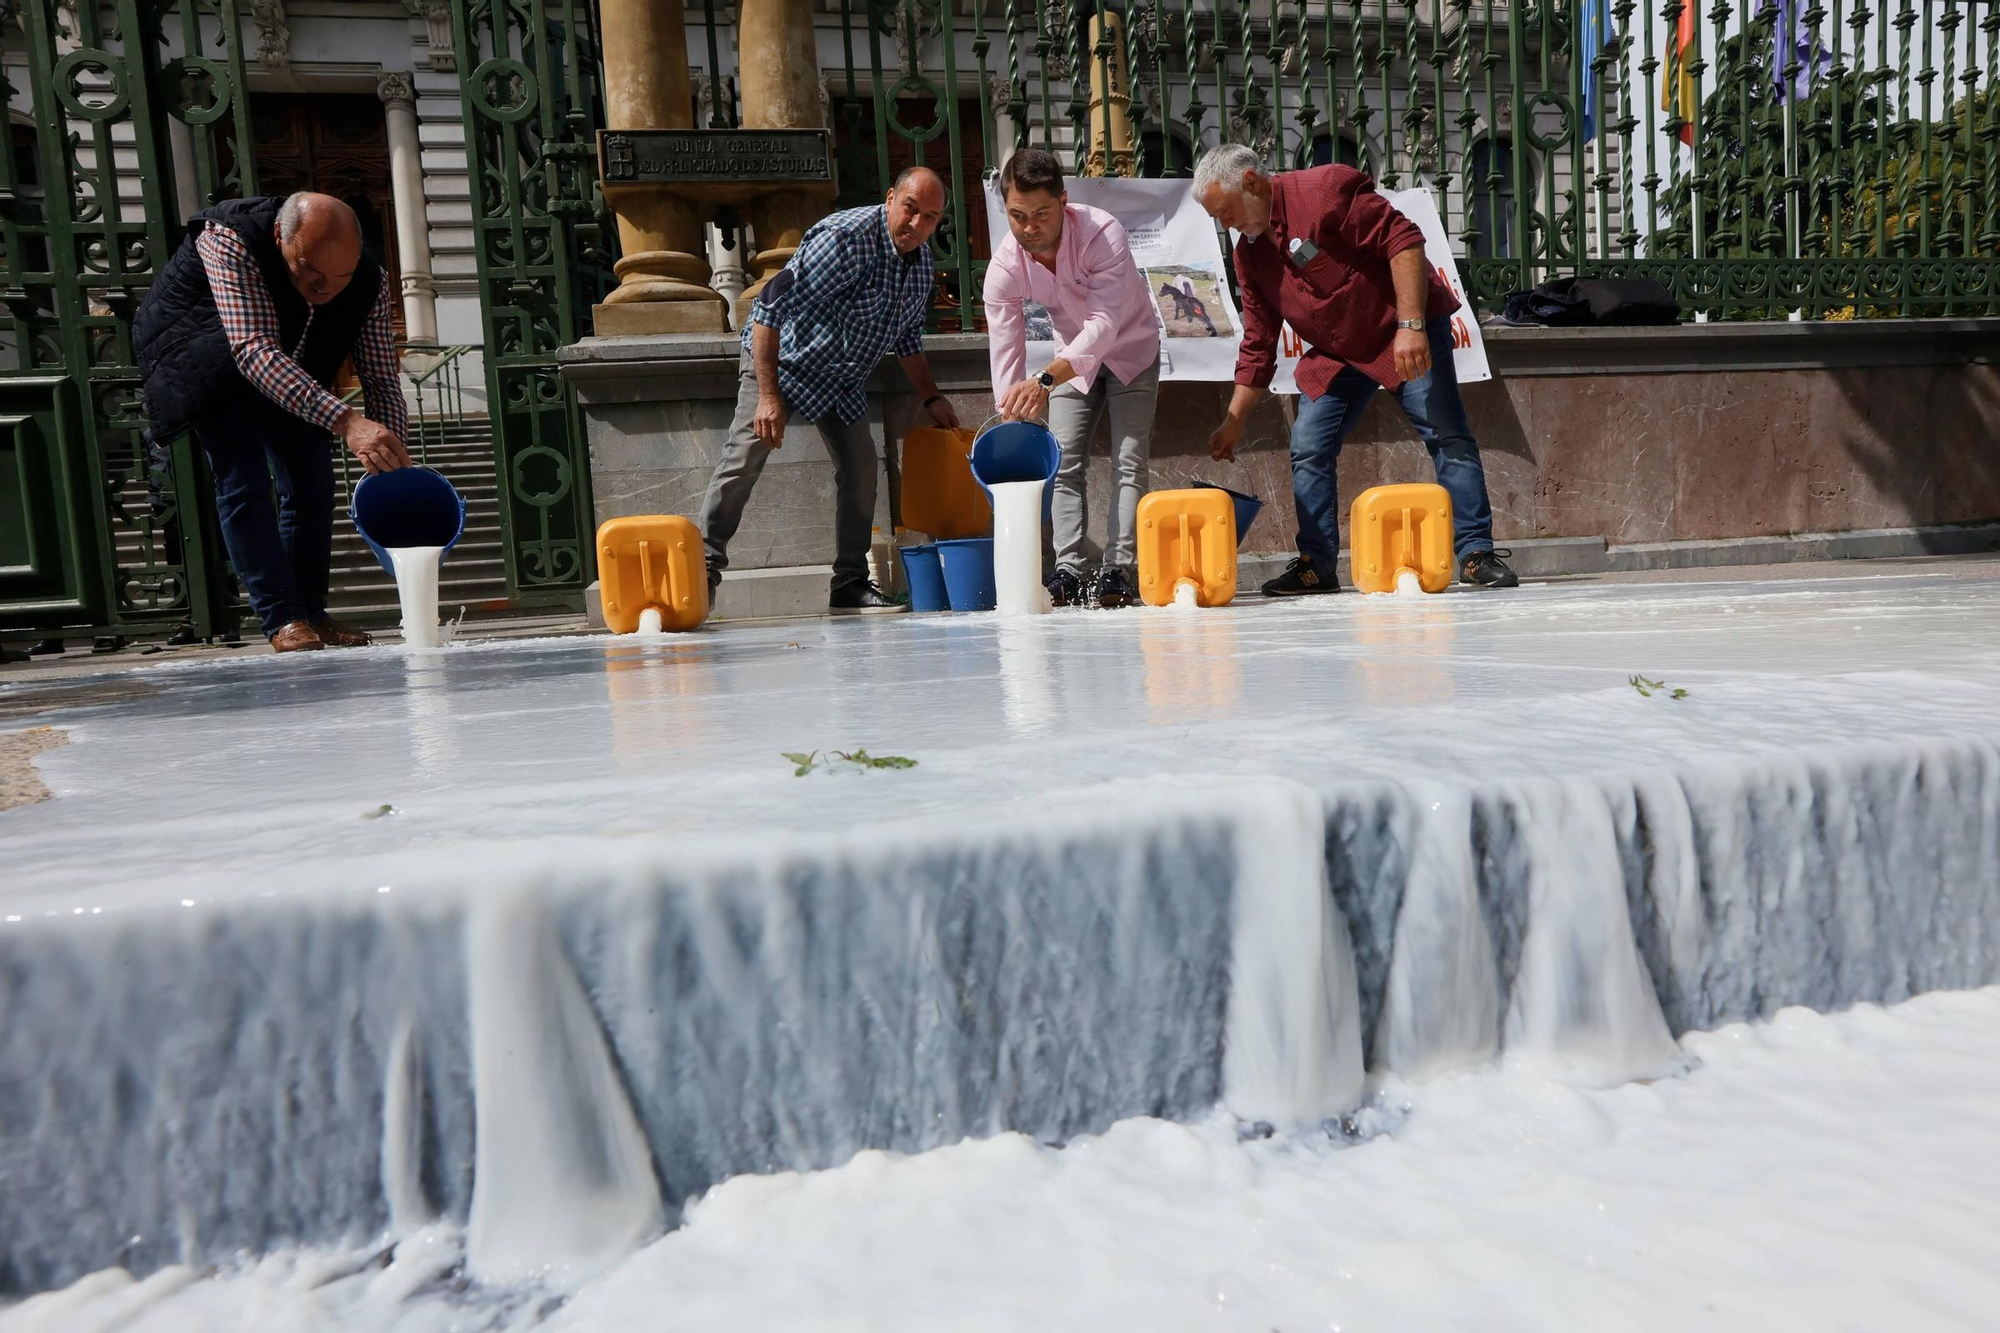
778, 80
1000, 96
1110, 83
413, 229
663, 276
180, 143
727, 263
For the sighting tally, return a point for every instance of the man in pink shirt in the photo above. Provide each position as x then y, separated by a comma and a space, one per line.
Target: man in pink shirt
1073, 260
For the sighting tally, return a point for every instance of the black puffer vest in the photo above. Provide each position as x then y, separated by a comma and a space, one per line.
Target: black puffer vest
184, 356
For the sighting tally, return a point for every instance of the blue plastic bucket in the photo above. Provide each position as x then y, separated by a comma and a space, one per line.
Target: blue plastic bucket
968, 573
412, 506
1246, 507
1016, 451
925, 574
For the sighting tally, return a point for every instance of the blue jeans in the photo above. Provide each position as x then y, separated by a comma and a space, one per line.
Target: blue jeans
1434, 408
282, 556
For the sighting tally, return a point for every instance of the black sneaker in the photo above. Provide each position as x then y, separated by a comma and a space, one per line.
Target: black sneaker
1114, 588
1485, 569
861, 599
714, 585
1301, 579
1065, 586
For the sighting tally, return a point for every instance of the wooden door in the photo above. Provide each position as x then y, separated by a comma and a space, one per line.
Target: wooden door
337, 144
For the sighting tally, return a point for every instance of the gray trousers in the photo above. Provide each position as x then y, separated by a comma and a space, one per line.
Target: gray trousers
743, 457
1073, 417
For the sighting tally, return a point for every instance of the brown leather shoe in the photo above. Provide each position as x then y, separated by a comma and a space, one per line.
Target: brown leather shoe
336, 635
296, 637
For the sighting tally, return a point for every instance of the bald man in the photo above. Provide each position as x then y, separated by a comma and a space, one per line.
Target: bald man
240, 340
858, 287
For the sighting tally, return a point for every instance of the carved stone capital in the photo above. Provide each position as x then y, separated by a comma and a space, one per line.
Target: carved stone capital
274, 35
396, 90
436, 15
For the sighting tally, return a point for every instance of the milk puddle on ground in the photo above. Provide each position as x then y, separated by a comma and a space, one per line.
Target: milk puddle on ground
1814, 1172
417, 590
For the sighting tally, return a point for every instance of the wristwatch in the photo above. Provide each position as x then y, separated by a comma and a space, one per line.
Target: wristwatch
1414, 325
1046, 379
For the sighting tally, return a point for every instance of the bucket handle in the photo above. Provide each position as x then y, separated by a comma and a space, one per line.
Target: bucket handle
985, 425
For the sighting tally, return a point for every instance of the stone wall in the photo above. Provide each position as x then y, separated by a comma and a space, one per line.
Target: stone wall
1692, 434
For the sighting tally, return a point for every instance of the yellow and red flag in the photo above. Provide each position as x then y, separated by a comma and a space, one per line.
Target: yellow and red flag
1677, 94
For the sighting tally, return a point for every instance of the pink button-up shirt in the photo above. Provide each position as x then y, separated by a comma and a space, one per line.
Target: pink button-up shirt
1097, 297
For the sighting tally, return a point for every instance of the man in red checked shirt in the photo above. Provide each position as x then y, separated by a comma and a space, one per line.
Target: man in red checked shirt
240, 339
1321, 250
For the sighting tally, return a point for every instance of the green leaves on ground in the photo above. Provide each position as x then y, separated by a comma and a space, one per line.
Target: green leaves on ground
1648, 687
803, 764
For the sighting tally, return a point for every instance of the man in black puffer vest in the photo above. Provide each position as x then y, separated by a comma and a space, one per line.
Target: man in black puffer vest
240, 339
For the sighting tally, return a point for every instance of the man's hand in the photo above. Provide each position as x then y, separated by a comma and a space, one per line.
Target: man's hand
1024, 402
769, 423
379, 448
1413, 354
944, 413
1222, 441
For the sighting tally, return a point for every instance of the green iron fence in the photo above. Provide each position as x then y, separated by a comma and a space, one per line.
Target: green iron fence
94, 532
530, 94
1760, 158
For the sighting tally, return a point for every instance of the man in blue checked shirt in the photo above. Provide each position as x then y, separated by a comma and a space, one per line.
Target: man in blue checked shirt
857, 288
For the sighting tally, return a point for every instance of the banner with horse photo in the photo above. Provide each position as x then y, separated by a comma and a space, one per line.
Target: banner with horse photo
1180, 250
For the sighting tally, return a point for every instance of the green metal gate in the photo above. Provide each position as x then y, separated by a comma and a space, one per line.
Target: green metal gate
531, 118
92, 539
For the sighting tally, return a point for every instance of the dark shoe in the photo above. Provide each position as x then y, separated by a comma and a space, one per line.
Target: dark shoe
1302, 579
297, 637
336, 635
1065, 586
1114, 588
862, 599
714, 583
1485, 569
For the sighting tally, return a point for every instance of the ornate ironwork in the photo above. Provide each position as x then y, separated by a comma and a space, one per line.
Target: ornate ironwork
98, 540
1872, 188
530, 99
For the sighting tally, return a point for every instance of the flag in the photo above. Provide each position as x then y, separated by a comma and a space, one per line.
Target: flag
1792, 44
1677, 94
1595, 31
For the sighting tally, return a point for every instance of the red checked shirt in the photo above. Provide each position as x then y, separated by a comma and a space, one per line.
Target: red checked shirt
250, 322
1343, 302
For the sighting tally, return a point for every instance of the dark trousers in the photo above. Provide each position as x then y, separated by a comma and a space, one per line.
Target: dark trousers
1435, 410
282, 556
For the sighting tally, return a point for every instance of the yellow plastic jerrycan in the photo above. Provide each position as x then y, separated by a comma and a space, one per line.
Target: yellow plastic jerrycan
1187, 537
941, 499
1394, 528
652, 560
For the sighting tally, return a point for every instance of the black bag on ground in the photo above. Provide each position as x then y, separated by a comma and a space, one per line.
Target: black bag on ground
1593, 302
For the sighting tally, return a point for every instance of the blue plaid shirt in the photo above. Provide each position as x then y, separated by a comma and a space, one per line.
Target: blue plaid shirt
846, 298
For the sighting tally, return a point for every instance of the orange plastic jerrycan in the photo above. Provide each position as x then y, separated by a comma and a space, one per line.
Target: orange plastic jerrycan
1394, 528
1187, 537
941, 499
656, 561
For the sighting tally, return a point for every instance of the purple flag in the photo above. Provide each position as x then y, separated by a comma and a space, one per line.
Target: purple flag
1792, 44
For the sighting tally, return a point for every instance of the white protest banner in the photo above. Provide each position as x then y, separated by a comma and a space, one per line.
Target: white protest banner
1179, 249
